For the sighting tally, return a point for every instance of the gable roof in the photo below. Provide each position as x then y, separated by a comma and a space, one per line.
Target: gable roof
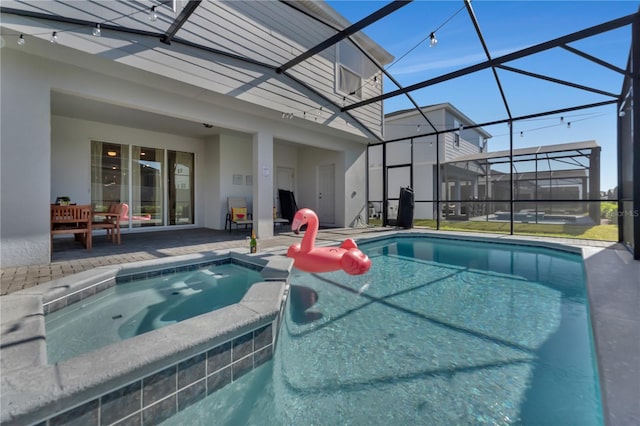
404, 113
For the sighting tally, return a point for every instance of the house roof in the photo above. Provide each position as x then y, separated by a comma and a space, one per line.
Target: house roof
545, 149
404, 113
329, 15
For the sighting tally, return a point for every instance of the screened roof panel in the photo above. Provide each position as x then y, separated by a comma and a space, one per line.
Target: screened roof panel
527, 152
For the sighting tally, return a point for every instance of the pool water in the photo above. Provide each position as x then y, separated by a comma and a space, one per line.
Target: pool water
137, 307
439, 332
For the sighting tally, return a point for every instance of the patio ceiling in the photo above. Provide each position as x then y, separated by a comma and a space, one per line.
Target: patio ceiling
185, 26
67, 105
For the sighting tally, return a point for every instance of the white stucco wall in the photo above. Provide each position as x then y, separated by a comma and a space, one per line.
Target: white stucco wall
25, 160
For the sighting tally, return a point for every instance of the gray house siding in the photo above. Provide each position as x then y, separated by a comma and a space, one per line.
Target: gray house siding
268, 33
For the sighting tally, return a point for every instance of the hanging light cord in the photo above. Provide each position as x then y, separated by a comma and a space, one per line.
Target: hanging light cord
79, 26
428, 37
367, 82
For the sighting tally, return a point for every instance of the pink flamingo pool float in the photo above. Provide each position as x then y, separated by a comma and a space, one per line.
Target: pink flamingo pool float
309, 258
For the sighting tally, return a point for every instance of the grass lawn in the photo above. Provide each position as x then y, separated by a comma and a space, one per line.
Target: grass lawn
598, 232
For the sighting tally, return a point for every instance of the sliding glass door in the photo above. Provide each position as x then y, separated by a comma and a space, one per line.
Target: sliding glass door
156, 184
109, 174
147, 200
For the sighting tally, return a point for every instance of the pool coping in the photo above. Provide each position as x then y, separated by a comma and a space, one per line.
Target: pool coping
33, 391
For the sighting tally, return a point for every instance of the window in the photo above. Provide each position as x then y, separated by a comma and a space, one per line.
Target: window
349, 69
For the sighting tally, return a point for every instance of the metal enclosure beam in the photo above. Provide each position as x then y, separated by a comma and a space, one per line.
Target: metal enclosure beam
635, 133
558, 81
182, 18
579, 35
375, 16
476, 25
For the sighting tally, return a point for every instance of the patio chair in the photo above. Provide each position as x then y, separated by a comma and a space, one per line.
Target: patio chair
237, 213
111, 221
74, 220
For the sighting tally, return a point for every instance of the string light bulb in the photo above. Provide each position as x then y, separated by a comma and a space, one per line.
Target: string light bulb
433, 40
153, 15
21, 40
97, 32
54, 37
568, 125
376, 82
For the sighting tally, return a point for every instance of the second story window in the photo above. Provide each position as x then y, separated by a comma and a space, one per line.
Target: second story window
456, 135
349, 69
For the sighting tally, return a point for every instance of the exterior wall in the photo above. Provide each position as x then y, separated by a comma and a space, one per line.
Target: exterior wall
25, 160
309, 159
58, 155
452, 151
268, 33
355, 192
406, 125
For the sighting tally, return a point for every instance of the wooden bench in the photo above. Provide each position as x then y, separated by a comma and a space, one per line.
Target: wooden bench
72, 220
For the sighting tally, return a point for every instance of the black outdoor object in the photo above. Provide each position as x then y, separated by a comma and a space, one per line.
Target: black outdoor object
288, 206
405, 208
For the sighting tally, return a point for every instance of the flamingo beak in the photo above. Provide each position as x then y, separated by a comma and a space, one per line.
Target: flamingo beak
297, 223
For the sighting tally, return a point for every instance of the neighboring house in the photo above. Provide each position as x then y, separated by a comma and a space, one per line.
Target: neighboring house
476, 183
172, 117
403, 127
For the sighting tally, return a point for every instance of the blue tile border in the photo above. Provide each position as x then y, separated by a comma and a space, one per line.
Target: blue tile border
83, 293
158, 396
126, 278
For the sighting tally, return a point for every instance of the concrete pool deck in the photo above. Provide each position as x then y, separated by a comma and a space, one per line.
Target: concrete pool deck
613, 285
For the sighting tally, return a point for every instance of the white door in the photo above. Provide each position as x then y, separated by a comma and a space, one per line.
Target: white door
284, 180
326, 194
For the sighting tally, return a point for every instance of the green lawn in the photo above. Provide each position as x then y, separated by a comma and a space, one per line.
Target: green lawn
598, 232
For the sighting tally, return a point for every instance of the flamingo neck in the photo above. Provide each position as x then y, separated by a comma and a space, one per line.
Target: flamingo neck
309, 238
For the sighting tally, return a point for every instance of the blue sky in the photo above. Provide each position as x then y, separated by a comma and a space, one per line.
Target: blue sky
508, 26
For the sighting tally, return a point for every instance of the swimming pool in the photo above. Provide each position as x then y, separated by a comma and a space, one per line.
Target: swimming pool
438, 332
144, 303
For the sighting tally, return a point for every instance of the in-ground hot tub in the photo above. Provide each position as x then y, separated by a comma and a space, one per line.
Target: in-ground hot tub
144, 302
149, 376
